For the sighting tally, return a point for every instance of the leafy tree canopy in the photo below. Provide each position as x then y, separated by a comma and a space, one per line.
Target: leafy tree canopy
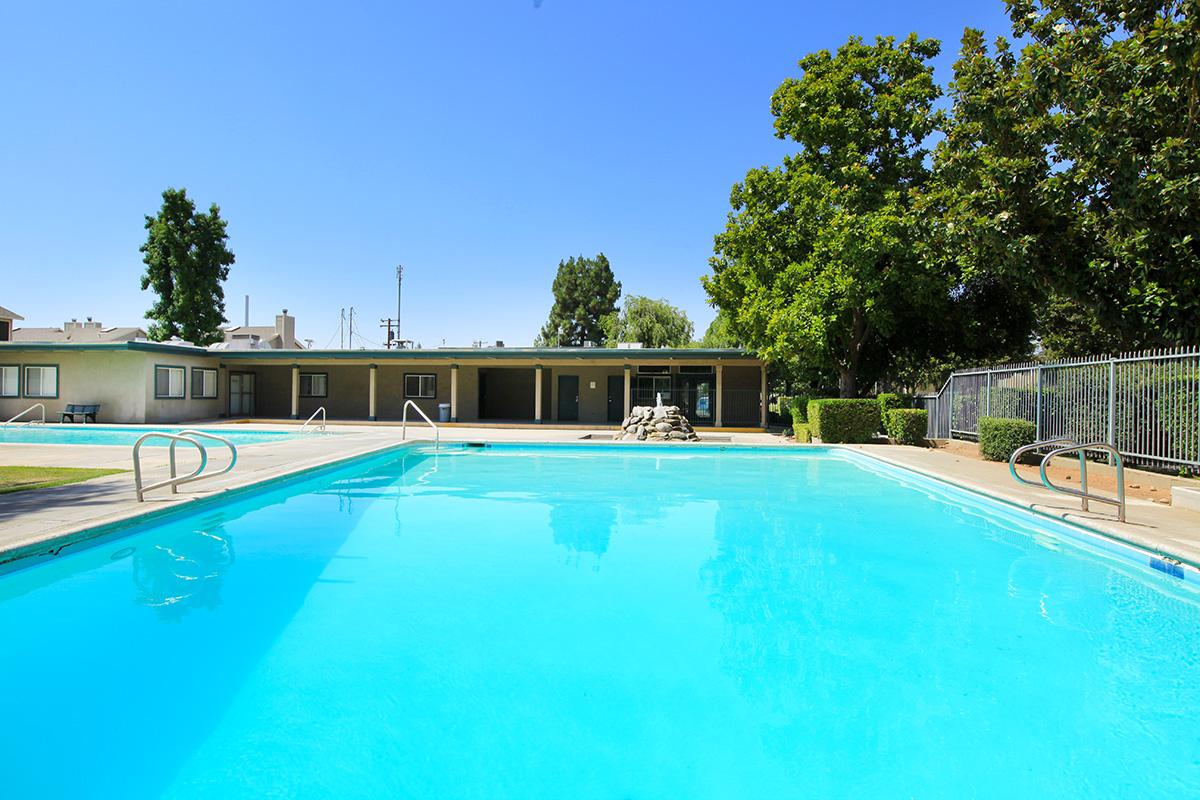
1073, 167
585, 291
720, 333
653, 323
817, 259
186, 260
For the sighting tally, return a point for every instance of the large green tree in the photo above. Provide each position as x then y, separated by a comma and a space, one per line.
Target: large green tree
1072, 168
720, 333
585, 291
187, 260
817, 261
653, 323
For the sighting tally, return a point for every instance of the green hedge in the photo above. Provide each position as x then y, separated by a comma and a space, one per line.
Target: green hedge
798, 407
999, 437
907, 425
888, 401
838, 420
801, 432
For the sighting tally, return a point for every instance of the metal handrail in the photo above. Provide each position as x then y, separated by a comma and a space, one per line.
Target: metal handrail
320, 411
1082, 491
1020, 451
173, 480
41, 421
437, 436
205, 435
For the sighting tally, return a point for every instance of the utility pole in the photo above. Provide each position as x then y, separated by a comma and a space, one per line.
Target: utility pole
391, 337
399, 287
342, 330
351, 327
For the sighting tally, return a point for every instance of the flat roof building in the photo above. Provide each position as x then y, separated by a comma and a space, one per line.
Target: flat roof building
150, 382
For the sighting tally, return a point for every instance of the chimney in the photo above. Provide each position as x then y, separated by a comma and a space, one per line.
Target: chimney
285, 328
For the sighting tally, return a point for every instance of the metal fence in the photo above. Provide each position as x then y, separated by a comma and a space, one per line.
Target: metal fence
1147, 405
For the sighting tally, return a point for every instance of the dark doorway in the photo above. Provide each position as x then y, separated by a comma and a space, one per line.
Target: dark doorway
568, 398
241, 394
694, 395
616, 398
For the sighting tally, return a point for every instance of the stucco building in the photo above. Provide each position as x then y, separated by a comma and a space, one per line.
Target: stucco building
149, 382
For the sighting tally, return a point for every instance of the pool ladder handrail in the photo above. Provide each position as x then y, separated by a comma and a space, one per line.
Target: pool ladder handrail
437, 436
188, 436
321, 425
41, 421
1062, 446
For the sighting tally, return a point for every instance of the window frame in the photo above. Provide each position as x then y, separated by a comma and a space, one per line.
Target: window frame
20, 372
432, 376
654, 369
310, 376
182, 382
24, 381
216, 383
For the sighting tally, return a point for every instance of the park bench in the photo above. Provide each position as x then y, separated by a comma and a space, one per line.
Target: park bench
77, 410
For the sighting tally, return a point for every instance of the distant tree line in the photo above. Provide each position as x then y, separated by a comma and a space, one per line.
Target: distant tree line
1059, 209
585, 311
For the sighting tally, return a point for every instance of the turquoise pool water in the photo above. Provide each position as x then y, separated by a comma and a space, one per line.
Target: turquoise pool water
600, 622
126, 434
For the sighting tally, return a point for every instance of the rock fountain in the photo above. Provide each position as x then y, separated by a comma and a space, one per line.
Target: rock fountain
657, 423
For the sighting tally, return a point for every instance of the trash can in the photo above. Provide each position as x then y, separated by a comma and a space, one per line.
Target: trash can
443, 412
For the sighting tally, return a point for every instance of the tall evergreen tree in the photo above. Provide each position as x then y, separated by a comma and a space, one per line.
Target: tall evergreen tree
585, 291
186, 260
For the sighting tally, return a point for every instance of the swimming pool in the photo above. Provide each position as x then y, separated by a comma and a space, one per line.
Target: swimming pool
600, 621
127, 434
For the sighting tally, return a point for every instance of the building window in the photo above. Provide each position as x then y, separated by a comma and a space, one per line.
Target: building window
168, 383
314, 384
41, 381
10, 381
204, 383
420, 386
694, 370
654, 370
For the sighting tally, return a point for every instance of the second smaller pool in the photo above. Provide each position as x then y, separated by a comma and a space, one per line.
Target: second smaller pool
128, 434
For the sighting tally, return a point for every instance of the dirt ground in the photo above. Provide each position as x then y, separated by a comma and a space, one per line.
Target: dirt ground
1101, 477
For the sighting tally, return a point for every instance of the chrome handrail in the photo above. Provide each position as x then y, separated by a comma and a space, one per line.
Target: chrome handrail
1082, 491
1020, 451
437, 436
233, 455
173, 480
41, 421
320, 411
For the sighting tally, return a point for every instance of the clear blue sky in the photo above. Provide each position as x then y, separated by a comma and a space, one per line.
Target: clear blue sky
476, 143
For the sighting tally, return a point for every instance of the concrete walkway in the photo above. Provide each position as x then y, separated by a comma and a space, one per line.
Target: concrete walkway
44, 520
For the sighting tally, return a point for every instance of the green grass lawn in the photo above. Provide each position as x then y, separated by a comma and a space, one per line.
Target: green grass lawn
16, 479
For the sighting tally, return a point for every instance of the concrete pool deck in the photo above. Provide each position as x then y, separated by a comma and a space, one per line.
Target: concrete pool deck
40, 522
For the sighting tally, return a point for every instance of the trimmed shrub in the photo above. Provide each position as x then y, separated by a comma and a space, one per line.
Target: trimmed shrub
999, 437
801, 432
888, 401
838, 420
798, 407
907, 425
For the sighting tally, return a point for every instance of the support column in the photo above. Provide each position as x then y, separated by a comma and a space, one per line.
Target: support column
537, 393
718, 419
628, 388
371, 398
454, 392
295, 391
762, 399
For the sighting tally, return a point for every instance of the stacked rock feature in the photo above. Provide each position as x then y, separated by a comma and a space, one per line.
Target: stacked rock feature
657, 424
